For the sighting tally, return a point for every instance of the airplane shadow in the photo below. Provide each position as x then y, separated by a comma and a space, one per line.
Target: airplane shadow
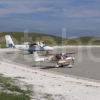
8, 53
48, 67
52, 67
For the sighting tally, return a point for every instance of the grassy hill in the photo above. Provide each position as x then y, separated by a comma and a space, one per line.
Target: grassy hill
20, 37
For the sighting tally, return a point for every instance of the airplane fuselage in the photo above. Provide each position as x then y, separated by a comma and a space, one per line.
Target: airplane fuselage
22, 47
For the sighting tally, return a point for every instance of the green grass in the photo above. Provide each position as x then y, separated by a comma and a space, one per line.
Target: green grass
6, 96
20, 37
11, 91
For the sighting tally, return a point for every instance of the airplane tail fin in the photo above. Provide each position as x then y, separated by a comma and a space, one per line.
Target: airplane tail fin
9, 41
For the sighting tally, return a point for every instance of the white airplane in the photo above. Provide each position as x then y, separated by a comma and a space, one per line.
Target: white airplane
60, 59
39, 46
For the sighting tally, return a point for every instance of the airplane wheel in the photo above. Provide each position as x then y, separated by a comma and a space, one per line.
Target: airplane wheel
57, 65
69, 66
62, 65
31, 52
73, 61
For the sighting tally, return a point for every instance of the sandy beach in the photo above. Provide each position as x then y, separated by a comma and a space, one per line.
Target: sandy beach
57, 87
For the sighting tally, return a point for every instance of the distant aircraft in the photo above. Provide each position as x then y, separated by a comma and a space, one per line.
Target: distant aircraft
59, 59
39, 46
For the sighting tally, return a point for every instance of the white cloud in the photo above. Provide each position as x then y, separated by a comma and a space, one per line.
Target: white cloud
82, 13
49, 14
62, 8
24, 7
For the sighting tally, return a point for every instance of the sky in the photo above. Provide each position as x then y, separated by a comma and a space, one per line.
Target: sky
77, 17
